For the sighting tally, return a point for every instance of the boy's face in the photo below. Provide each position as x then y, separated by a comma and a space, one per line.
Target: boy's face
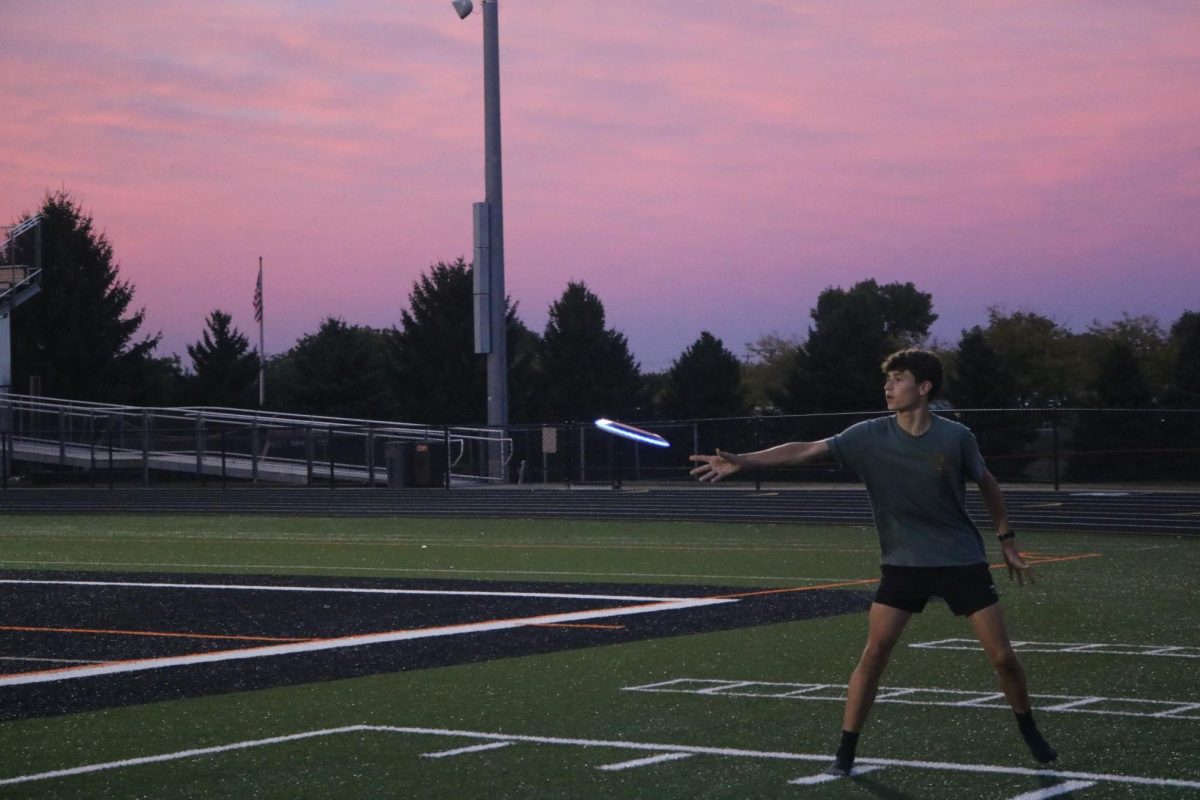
902, 392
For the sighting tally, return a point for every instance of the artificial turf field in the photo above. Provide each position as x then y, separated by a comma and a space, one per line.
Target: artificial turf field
677, 699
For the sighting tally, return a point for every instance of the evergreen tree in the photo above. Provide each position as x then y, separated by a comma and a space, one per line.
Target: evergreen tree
225, 369
1182, 461
436, 375
587, 369
338, 371
1116, 442
1050, 368
162, 381
78, 334
1184, 388
1120, 380
1146, 340
705, 381
853, 330
982, 380
524, 378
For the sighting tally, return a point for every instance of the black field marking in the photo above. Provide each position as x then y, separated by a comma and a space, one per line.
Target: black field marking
1028, 509
88, 617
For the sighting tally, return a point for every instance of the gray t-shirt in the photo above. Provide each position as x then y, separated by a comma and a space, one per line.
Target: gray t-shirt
917, 486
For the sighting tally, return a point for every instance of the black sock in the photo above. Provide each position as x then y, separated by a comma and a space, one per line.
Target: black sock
845, 752
1038, 745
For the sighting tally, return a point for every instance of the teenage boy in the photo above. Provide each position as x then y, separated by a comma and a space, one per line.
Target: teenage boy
915, 466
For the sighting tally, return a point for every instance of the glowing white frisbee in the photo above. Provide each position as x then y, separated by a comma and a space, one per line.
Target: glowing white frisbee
630, 432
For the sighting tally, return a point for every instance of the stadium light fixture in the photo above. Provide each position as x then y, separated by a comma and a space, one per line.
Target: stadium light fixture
489, 235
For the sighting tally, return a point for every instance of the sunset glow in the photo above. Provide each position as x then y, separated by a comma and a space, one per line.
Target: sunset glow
701, 166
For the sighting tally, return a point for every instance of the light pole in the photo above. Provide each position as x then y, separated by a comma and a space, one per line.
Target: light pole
490, 327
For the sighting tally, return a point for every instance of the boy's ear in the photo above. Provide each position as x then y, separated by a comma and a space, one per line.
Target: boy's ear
925, 387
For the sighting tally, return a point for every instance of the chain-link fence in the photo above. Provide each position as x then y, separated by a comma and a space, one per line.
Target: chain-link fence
99, 445
1048, 447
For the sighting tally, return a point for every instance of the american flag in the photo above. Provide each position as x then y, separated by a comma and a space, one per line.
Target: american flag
258, 303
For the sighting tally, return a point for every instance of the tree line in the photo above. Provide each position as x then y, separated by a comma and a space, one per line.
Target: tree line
80, 339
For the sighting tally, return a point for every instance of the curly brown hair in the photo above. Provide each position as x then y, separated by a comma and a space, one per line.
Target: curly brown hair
923, 364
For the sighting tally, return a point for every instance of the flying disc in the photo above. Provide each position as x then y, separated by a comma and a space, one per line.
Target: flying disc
630, 432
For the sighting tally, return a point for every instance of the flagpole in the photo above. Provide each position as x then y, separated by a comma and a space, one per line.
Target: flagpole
262, 353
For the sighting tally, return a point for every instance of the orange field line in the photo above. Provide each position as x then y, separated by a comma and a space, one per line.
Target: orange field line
761, 592
31, 629
1032, 560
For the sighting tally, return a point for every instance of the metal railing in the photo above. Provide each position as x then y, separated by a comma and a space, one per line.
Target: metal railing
1021, 446
16, 280
148, 443
104, 443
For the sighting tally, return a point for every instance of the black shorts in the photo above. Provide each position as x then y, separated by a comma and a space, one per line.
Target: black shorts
965, 589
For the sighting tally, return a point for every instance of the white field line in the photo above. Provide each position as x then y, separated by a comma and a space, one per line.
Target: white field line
359, 640
1071, 648
728, 687
1172, 712
651, 747
981, 700
644, 762
951, 698
824, 777
1071, 704
177, 756
459, 751
1054, 791
805, 690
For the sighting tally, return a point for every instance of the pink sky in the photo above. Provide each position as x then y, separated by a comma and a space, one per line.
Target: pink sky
704, 165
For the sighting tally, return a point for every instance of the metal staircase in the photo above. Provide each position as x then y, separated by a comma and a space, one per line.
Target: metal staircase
19, 282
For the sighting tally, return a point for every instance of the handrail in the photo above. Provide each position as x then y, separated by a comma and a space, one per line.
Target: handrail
21, 227
33, 277
235, 415
155, 432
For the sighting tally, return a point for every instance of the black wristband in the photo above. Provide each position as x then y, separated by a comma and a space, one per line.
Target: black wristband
1010, 535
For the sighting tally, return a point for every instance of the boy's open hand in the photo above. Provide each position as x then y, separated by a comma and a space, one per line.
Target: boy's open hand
714, 468
1017, 567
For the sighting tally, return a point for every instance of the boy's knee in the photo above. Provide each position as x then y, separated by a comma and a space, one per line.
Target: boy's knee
1005, 661
877, 653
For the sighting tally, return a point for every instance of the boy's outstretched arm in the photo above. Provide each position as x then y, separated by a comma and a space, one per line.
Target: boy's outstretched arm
993, 500
724, 464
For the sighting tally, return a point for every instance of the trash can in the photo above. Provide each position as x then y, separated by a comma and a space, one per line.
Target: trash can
397, 456
429, 465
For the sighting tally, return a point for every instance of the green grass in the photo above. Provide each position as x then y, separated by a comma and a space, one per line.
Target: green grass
1138, 590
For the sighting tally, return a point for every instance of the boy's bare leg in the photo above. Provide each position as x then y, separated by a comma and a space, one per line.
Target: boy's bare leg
885, 624
1010, 675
